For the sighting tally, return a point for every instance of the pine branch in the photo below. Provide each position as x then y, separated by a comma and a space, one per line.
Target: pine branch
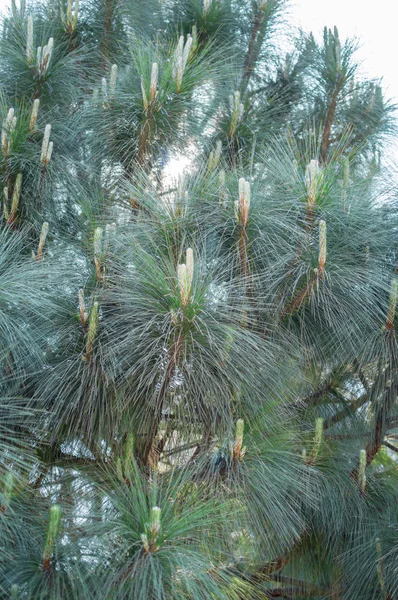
325, 141
253, 48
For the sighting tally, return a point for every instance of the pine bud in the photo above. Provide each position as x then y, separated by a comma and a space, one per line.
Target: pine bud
13, 124
240, 427
154, 82
98, 242
10, 117
4, 139
313, 177
45, 143
33, 115
186, 52
190, 266
47, 54
241, 190
112, 82
29, 40
392, 304
152, 531
304, 455
42, 240
361, 470
155, 521
322, 245
206, 6
318, 437
39, 57
82, 308
76, 14
237, 112
244, 202
72, 13
49, 152
178, 68
69, 10
92, 329
12, 127
8, 127
183, 282
145, 542
15, 197
52, 534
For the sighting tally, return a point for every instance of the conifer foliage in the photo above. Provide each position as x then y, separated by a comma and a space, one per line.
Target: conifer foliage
198, 374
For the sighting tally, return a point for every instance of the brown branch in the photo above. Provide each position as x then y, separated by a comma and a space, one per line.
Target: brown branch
341, 415
183, 448
329, 120
296, 303
390, 446
110, 6
252, 51
149, 454
361, 375
312, 398
381, 423
297, 587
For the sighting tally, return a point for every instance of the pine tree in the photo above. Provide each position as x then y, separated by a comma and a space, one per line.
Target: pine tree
198, 375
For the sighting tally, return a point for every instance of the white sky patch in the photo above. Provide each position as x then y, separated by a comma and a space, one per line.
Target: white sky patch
175, 167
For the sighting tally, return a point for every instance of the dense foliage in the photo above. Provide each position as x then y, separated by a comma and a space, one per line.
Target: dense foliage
198, 374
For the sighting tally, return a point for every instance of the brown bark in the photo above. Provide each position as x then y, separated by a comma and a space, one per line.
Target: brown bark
299, 299
328, 123
110, 6
148, 453
381, 421
252, 51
